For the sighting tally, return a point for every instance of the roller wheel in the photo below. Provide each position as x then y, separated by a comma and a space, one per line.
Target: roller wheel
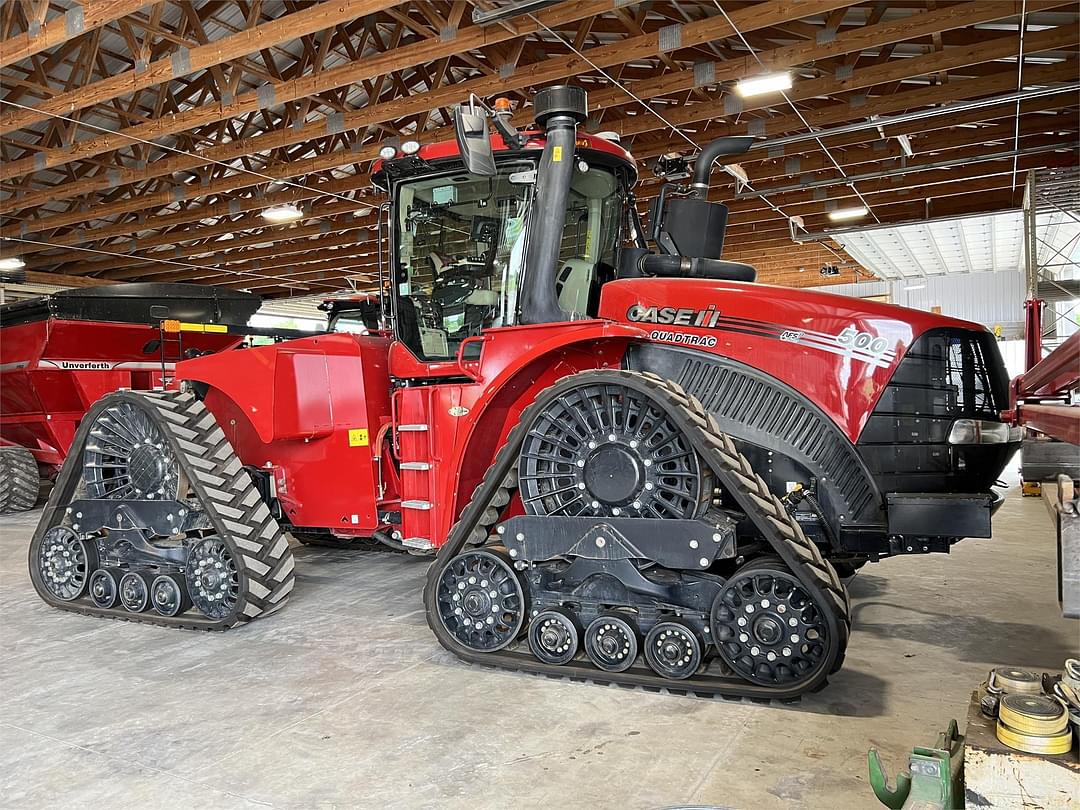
169, 596
19, 480
767, 628
554, 636
64, 563
673, 650
213, 580
608, 449
135, 591
480, 600
105, 587
611, 643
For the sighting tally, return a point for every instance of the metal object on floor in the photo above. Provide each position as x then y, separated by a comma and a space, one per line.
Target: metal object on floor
1064, 507
934, 778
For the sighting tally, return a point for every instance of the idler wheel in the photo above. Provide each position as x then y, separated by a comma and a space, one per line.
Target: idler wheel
480, 600
767, 627
64, 563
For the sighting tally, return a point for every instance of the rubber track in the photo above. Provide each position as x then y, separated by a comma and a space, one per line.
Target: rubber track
19, 480
226, 494
737, 479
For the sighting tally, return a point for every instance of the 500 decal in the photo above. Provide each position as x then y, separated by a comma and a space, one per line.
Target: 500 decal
862, 340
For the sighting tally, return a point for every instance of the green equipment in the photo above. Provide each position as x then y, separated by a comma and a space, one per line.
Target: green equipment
934, 778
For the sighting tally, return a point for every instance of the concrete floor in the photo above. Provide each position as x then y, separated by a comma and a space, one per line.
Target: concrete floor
344, 699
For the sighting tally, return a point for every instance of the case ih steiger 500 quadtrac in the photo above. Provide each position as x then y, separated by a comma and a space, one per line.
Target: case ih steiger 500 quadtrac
636, 466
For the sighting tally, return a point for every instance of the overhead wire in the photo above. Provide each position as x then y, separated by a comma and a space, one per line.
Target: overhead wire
798, 112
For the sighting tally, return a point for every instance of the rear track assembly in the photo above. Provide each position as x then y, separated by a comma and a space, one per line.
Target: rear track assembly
154, 519
794, 590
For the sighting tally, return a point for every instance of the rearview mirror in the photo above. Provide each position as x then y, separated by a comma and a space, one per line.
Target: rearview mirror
471, 131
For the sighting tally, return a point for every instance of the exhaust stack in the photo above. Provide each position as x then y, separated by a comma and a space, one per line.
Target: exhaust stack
559, 110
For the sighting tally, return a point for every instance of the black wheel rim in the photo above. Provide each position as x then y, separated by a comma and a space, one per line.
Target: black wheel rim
554, 636
480, 601
134, 592
611, 643
127, 457
212, 578
768, 629
167, 595
65, 563
673, 650
606, 449
103, 588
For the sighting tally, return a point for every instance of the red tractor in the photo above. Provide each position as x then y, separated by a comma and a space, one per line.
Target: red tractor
636, 465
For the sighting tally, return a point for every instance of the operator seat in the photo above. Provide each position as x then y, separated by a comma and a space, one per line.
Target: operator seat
574, 285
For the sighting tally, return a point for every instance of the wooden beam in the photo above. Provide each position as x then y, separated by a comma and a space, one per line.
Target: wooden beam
185, 61
285, 91
86, 16
899, 70
550, 70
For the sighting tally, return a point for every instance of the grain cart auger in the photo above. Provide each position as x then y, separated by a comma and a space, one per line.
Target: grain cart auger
636, 464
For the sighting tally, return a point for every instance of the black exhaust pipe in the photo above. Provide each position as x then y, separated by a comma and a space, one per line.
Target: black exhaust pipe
559, 110
721, 147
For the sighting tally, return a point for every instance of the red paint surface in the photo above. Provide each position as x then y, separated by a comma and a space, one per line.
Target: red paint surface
41, 405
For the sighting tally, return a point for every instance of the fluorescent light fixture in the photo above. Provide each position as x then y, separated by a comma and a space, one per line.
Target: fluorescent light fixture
841, 214
771, 83
282, 213
12, 263
905, 145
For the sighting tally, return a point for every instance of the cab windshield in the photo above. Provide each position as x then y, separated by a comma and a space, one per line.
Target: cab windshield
460, 243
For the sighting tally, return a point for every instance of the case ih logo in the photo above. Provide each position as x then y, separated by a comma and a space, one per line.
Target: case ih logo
675, 316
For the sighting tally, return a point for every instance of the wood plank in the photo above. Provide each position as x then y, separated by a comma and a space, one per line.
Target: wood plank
186, 61
88, 15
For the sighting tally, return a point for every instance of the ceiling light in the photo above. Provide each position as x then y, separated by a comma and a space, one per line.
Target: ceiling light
847, 213
388, 153
410, 147
771, 83
282, 213
12, 263
905, 145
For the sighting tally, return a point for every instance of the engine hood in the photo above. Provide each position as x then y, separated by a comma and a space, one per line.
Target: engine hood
839, 351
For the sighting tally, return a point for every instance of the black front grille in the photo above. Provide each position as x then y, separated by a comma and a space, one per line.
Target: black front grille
947, 374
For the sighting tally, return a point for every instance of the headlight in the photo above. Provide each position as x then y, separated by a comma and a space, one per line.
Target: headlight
388, 153
980, 431
410, 147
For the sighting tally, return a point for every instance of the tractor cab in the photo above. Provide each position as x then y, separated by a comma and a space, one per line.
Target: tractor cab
518, 228
460, 235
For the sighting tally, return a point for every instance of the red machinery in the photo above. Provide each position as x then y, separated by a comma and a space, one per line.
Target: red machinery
61, 353
636, 465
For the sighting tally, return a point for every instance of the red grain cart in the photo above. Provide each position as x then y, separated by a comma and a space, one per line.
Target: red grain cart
61, 353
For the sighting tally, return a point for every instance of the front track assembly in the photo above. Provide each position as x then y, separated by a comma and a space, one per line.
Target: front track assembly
614, 576
154, 519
